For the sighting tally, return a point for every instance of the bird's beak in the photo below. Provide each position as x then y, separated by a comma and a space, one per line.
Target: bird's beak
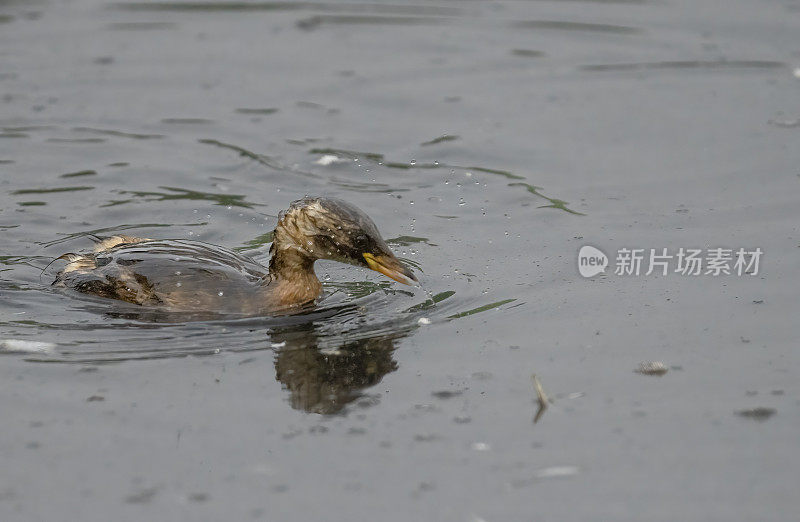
389, 266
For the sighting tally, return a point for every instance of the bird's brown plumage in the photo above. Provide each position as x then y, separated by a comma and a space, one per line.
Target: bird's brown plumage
181, 275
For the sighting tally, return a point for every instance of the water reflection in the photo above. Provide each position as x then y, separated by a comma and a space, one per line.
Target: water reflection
325, 380
322, 359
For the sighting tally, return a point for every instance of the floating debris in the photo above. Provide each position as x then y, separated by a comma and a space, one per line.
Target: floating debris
787, 124
23, 346
446, 394
760, 414
652, 368
541, 398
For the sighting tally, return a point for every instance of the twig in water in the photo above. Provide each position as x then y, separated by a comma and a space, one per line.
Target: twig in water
541, 398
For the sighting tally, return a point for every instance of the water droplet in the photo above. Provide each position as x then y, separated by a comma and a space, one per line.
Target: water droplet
447, 182
413, 162
461, 202
411, 202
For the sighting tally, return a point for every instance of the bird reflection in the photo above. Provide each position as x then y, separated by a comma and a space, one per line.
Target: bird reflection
325, 380
322, 370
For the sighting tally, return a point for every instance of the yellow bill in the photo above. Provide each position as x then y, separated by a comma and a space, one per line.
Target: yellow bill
390, 267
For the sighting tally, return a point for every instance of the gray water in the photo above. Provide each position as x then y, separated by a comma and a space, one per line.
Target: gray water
489, 141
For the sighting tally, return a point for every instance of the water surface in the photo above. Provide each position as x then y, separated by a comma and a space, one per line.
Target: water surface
489, 142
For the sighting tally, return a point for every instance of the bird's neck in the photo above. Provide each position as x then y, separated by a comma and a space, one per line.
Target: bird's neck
291, 272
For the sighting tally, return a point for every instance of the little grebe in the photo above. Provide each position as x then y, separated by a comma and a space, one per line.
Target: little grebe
184, 275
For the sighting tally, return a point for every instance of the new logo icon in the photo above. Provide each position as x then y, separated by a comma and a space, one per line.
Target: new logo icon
591, 261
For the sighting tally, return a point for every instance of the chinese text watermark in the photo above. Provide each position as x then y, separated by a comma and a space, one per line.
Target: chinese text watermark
663, 261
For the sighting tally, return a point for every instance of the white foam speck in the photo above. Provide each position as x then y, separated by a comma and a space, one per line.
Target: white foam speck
423, 321
278, 345
22, 346
328, 159
481, 446
557, 471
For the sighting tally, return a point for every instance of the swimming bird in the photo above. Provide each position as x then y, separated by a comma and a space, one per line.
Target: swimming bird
192, 276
